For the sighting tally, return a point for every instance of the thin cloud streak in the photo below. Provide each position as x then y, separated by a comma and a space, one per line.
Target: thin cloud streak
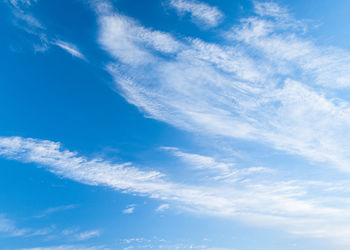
129, 209
70, 48
24, 20
52, 210
267, 84
285, 205
200, 12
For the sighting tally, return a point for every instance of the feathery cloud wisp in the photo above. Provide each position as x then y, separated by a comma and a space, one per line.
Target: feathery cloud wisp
129, 209
70, 48
200, 12
266, 84
281, 204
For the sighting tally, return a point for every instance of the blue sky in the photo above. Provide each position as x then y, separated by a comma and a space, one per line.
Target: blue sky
174, 124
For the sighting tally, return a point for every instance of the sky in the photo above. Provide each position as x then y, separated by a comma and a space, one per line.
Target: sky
174, 124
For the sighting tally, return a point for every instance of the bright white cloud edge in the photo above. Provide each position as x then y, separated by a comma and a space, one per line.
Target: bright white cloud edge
285, 205
201, 12
268, 85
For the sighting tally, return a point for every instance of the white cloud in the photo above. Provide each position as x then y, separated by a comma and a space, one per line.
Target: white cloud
26, 21
162, 207
200, 12
68, 247
129, 209
19, 3
86, 235
281, 204
225, 171
9, 228
76, 234
268, 85
271, 9
124, 44
52, 210
70, 48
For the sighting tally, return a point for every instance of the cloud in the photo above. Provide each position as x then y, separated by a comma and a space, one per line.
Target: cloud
155, 243
287, 205
216, 170
129, 209
52, 210
68, 247
70, 48
9, 228
271, 9
86, 235
21, 3
267, 83
42, 41
201, 13
68, 164
76, 234
27, 22
124, 45
162, 207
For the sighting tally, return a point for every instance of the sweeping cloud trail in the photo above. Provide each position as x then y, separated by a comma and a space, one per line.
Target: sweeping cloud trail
281, 204
265, 83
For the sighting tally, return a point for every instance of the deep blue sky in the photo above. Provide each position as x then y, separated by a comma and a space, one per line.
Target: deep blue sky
174, 124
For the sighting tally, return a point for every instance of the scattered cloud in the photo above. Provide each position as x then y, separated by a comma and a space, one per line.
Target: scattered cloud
21, 3
68, 247
162, 207
201, 13
267, 83
86, 235
70, 48
129, 209
217, 170
271, 9
52, 210
42, 41
125, 45
283, 204
9, 228
156, 243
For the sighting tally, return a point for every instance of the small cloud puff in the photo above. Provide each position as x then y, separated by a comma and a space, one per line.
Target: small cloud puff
200, 12
129, 209
162, 207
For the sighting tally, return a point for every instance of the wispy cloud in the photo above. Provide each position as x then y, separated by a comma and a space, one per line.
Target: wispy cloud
86, 235
266, 83
70, 48
282, 204
52, 210
129, 209
42, 41
20, 3
226, 171
68, 247
9, 228
125, 46
75, 234
162, 207
200, 12
156, 243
